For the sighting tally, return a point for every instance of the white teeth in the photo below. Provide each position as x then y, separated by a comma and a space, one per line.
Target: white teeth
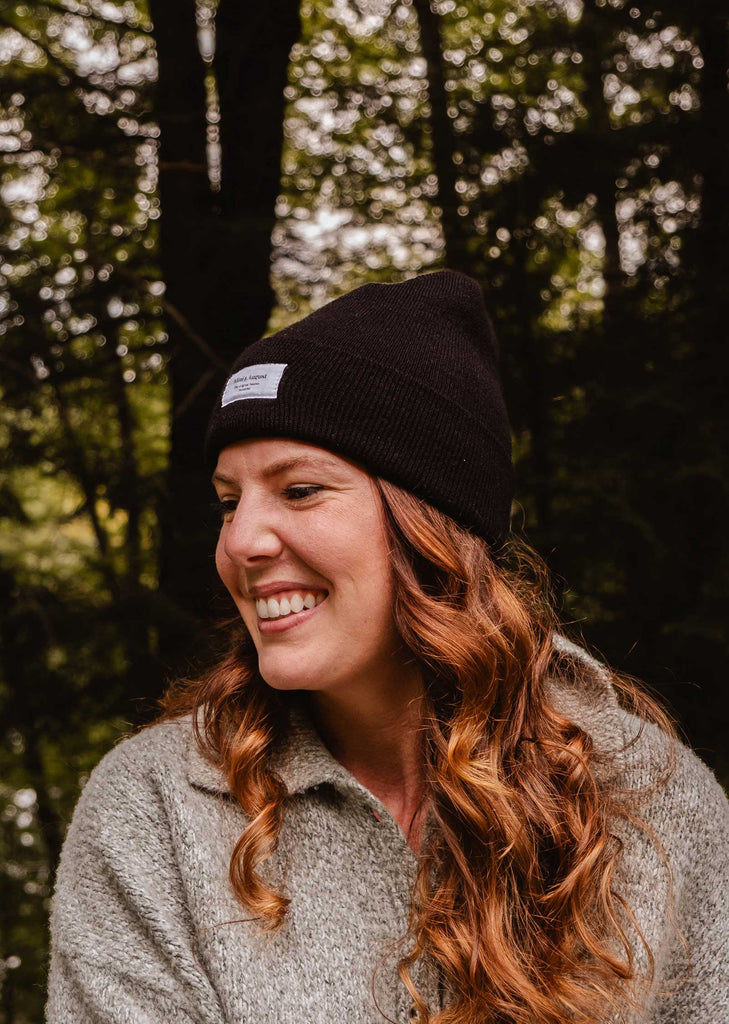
274, 609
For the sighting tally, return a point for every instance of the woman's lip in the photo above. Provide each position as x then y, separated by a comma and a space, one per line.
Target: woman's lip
267, 627
281, 586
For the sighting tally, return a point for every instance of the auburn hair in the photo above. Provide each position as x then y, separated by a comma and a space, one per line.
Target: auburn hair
514, 899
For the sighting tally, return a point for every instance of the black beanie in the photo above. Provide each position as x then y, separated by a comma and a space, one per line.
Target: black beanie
401, 378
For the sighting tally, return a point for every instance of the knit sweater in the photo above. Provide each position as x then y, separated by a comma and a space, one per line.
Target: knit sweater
145, 928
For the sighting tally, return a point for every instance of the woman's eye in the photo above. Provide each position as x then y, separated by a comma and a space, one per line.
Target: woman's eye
298, 492
225, 508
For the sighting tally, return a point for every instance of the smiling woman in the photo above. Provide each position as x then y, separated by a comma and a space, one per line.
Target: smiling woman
400, 793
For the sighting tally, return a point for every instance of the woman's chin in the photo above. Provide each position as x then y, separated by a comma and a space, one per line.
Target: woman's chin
283, 683
284, 678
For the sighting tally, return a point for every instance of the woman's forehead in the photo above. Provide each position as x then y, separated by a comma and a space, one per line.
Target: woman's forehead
271, 456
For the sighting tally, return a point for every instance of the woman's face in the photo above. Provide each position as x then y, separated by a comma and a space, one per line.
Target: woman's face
303, 553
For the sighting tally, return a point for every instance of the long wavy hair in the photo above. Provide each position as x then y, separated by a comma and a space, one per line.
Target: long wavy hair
514, 899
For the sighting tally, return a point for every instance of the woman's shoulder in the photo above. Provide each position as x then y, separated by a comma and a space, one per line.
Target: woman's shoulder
671, 786
137, 775
152, 751
122, 947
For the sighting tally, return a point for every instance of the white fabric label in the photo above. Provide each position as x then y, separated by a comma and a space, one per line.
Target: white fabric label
260, 381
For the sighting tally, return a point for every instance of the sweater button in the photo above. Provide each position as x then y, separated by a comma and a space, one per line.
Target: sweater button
413, 1013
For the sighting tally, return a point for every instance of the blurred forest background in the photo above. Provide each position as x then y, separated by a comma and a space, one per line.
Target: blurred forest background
178, 178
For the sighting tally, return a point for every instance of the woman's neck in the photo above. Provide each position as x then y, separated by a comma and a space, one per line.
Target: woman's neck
376, 734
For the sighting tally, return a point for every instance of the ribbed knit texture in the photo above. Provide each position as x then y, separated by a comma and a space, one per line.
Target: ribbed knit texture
145, 928
402, 378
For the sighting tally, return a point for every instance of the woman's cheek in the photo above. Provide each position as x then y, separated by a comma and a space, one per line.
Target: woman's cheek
221, 560
226, 570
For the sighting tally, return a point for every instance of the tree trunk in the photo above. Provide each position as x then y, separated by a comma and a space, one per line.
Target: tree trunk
215, 255
712, 163
251, 66
185, 198
443, 139
705, 372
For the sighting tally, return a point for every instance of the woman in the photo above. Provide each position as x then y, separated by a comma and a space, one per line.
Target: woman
400, 793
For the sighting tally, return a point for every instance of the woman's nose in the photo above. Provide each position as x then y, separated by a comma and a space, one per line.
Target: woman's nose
252, 534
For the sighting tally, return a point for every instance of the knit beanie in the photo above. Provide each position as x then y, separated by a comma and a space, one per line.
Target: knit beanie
401, 378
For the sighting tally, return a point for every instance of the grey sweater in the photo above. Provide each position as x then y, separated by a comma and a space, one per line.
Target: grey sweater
145, 928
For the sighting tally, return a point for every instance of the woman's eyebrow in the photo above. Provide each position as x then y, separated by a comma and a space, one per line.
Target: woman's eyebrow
220, 478
296, 462
283, 466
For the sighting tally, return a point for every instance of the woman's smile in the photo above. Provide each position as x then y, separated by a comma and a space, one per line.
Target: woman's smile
287, 609
277, 603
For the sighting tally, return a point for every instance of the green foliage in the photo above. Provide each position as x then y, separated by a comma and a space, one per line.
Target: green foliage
585, 143
357, 184
84, 419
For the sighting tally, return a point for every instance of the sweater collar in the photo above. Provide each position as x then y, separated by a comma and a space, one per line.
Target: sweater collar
302, 763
